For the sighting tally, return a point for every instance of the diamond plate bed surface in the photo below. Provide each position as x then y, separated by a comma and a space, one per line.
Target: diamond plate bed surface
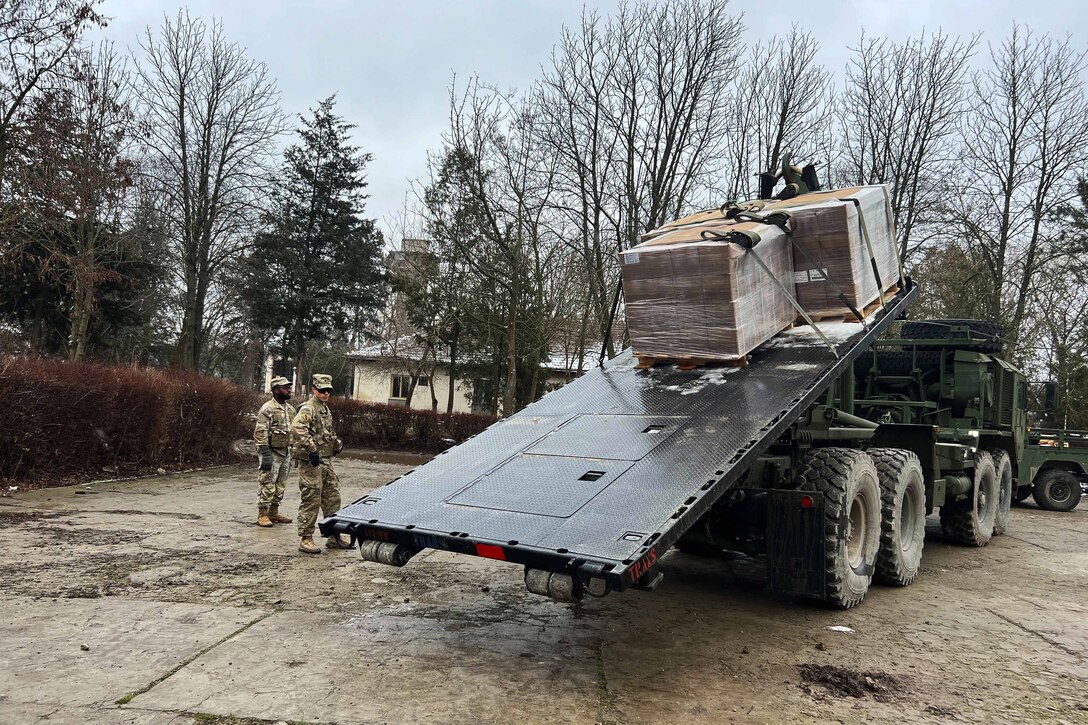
607, 460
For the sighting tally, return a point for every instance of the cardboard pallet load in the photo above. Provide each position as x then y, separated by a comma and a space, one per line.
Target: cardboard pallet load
832, 253
692, 297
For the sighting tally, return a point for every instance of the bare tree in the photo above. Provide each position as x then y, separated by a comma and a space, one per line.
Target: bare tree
676, 62
36, 37
902, 110
211, 115
632, 118
1023, 145
576, 97
782, 100
1060, 303
510, 183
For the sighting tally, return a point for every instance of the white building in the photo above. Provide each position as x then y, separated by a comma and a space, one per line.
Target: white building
383, 374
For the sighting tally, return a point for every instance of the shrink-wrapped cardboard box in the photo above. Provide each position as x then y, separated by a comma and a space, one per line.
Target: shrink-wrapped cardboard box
687, 297
829, 231
830, 254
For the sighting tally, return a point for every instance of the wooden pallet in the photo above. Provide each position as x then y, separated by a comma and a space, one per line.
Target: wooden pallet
847, 316
684, 362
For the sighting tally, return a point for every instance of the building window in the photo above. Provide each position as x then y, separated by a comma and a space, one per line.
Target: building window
482, 391
401, 384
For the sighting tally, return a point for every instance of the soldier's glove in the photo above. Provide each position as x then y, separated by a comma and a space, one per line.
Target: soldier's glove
339, 447
266, 457
315, 459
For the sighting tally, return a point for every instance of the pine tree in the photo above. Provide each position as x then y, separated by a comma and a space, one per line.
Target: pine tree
315, 272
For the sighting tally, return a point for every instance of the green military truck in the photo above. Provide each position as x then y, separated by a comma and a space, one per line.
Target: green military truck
825, 453
954, 380
946, 375
1053, 468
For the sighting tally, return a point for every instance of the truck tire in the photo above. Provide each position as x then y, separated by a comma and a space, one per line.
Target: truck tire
849, 481
971, 522
990, 332
1003, 471
902, 515
1056, 490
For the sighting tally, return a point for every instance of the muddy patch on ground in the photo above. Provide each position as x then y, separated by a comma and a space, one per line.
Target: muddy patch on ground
170, 514
846, 682
16, 517
75, 576
80, 592
88, 536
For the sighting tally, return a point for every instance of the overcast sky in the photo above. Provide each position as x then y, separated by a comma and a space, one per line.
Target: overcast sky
390, 62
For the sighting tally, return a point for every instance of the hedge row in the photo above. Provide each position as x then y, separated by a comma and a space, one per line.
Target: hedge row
376, 425
65, 420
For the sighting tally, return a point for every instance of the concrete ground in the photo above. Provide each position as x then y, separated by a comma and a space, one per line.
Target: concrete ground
158, 601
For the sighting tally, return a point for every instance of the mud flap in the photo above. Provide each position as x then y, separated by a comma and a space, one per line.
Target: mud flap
795, 542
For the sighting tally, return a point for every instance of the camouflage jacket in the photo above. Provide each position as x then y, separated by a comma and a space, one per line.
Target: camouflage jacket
273, 425
311, 430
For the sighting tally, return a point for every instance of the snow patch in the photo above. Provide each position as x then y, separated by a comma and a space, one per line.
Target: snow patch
805, 336
798, 366
716, 376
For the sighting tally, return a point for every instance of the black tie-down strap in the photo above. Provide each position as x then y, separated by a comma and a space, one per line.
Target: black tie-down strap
749, 240
784, 221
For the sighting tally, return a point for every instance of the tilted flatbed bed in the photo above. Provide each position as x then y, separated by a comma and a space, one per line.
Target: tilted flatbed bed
597, 479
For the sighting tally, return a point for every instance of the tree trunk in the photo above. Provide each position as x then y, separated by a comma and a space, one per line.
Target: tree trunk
81, 318
37, 330
434, 398
185, 352
509, 400
534, 384
251, 359
496, 370
582, 331
3, 160
300, 366
453, 366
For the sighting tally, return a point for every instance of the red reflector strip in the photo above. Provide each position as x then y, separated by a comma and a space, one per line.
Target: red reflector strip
491, 552
807, 502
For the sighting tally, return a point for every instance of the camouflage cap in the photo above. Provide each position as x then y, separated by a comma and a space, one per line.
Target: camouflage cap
279, 382
322, 381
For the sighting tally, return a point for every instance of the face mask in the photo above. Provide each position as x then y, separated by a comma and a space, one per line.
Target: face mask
282, 397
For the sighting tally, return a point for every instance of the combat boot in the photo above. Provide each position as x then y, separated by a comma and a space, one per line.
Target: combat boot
276, 517
307, 546
262, 516
338, 541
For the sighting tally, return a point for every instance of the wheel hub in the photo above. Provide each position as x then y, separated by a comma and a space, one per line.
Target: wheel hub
855, 532
1060, 491
908, 520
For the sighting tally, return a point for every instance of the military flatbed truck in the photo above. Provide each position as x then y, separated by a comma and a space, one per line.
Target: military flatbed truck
1054, 468
825, 453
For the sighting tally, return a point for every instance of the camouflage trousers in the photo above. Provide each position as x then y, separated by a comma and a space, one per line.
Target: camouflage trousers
320, 489
272, 483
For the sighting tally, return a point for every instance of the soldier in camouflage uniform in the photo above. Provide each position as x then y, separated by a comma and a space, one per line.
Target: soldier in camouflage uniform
271, 438
313, 444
